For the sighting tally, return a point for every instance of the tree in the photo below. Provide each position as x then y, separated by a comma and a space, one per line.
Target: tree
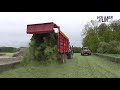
115, 26
102, 37
91, 39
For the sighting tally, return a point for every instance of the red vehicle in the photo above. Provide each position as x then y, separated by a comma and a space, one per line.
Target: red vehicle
85, 50
64, 47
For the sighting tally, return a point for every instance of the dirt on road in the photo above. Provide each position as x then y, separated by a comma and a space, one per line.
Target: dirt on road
9, 59
12, 57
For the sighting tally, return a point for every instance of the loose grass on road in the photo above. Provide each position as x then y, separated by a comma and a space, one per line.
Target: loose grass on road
79, 67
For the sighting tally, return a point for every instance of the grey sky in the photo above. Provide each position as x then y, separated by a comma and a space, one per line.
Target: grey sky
13, 25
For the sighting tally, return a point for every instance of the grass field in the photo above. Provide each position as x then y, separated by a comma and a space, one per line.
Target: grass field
6, 53
79, 67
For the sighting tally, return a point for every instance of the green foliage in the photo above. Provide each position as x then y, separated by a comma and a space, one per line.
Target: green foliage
103, 38
43, 48
117, 49
91, 40
103, 47
27, 58
8, 49
76, 49
111, 47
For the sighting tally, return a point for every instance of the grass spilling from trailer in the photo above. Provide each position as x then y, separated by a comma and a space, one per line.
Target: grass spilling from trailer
42, 48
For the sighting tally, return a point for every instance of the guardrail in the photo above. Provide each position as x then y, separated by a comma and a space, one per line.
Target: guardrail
7, 62
113, 59
10, 65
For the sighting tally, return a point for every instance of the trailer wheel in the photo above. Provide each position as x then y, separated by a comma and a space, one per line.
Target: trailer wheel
70, 55
81, 54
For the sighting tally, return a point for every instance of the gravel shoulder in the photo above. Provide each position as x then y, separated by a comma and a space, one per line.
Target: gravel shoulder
9, 59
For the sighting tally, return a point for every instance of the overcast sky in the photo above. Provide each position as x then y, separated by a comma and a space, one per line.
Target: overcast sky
13, 25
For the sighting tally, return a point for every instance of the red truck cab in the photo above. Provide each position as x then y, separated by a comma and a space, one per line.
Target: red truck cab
85, 50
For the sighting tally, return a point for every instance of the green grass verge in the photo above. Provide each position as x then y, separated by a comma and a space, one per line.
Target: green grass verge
114, 55
6, 54
79, 67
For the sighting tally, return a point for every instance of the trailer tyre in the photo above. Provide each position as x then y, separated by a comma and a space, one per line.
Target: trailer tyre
70, 55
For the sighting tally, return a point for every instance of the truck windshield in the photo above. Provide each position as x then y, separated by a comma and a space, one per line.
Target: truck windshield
85, 49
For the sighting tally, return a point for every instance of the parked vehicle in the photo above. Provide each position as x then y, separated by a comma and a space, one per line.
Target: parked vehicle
85, 50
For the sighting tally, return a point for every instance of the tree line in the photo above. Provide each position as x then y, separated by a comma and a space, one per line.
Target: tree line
9, 49
102, 37
76, 49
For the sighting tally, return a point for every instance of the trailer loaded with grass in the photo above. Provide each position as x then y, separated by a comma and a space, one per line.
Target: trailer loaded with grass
47, 44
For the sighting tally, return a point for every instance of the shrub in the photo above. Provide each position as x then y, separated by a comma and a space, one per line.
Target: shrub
117, 50
76, 49
103, 47
112, 47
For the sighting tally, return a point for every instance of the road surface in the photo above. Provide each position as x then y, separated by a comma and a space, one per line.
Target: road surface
79, 67
8, 59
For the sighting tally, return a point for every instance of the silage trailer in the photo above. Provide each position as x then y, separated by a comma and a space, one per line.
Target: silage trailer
64, 47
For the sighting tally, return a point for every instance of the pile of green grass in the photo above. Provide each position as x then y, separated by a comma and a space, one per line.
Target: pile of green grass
42, 48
